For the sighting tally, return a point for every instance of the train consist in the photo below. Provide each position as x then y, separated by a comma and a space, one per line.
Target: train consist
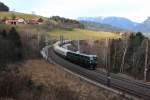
84, 60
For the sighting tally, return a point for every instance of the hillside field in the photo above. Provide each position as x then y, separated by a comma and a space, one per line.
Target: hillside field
71, 34
74, 34
17, 14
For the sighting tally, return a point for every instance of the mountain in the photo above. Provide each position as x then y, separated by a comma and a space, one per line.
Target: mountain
120, 22
114, 21
3, 7
144, 26
101, 27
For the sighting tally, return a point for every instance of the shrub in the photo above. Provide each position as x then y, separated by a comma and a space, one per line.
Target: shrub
12, 84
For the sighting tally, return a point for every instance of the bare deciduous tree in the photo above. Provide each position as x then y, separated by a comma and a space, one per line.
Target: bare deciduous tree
146, 61
125, 48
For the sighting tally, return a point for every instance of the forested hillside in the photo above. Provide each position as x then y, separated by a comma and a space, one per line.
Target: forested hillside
60, 22
3, 7
128, 55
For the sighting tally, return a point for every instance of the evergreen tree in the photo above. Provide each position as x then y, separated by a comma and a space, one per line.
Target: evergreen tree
136, 40
4, 33
14, 37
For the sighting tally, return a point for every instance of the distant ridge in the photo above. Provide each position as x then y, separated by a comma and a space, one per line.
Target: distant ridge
120, 22
102, 27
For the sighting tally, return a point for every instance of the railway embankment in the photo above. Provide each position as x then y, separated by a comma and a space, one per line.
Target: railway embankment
62, 84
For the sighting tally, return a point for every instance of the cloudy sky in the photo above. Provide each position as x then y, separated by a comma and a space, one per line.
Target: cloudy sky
136, 10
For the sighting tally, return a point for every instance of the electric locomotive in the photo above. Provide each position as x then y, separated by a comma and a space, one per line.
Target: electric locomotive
84, 60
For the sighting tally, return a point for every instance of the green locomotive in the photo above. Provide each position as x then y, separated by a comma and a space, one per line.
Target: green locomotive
84, 60
87, 61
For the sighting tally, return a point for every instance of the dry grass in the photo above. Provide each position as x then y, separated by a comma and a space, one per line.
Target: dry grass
49, 75
75, 34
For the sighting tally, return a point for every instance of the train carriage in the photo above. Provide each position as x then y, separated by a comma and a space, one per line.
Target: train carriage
87, 61
59, 50
84, 60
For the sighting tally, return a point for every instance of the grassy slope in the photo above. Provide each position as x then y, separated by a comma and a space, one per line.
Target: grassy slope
17, 14
68, 34
80, 34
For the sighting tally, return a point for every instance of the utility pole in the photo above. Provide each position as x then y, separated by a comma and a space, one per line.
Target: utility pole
46, 44
46, 40
78, 46
61, 40
38, 40
107, 46
146, 61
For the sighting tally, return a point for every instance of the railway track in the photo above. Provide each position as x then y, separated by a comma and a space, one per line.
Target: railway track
125, 79
119, 83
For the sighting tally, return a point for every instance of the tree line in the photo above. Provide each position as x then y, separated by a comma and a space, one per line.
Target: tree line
129, 55
64, 20
60, 22
3, 7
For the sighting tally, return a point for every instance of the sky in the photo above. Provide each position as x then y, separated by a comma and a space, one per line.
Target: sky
135, 10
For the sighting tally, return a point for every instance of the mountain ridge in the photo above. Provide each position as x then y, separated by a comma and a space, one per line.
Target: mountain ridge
120, 22
102, 27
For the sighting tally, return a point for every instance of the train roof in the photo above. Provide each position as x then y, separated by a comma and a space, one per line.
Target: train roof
84, 54
57, 44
